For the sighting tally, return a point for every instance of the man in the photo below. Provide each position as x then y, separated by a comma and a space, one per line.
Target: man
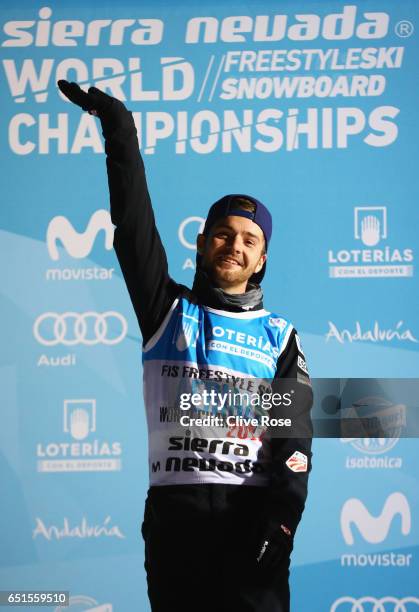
224, 503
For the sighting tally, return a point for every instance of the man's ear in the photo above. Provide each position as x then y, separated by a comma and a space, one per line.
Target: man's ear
200, 243
262, 260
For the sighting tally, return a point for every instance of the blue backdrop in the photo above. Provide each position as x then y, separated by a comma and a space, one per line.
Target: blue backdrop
310, 107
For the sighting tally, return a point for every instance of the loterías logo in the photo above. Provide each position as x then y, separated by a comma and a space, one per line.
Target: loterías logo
377, 260
84, 453
370, 224
80, 417
368, 603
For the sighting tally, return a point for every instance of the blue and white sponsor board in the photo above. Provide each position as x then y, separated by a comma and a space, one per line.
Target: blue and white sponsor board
310, 107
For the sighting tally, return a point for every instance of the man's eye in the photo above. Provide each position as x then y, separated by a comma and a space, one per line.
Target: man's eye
250, 243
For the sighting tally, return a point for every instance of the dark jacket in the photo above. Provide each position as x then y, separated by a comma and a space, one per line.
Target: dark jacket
144, 265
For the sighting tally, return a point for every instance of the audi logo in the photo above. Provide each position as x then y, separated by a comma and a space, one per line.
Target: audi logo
182, 230
71, 328
373, 604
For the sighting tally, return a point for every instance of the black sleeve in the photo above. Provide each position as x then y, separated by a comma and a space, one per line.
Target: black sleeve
136, 241
288, 489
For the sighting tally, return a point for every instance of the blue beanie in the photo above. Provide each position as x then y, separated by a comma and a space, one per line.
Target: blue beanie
227, 206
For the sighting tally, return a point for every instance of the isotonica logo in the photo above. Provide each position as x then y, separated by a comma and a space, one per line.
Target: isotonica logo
372, 451
370, 255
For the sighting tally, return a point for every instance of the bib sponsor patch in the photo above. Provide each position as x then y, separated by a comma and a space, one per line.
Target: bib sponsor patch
297, 462
302, 364
277, 322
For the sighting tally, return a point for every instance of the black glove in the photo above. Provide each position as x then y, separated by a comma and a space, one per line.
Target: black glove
274, 545
94, 101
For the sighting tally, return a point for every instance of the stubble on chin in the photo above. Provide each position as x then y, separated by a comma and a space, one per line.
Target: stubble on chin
227, 276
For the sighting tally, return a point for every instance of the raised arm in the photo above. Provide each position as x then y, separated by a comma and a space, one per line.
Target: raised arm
136, 241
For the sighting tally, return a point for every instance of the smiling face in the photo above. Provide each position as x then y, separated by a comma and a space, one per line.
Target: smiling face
232, 252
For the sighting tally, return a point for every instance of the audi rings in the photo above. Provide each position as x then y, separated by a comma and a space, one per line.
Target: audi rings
59, 324
374, 604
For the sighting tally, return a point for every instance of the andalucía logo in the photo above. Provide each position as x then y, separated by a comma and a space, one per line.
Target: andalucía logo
373, 257
82, 530
371, 333
84, 453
